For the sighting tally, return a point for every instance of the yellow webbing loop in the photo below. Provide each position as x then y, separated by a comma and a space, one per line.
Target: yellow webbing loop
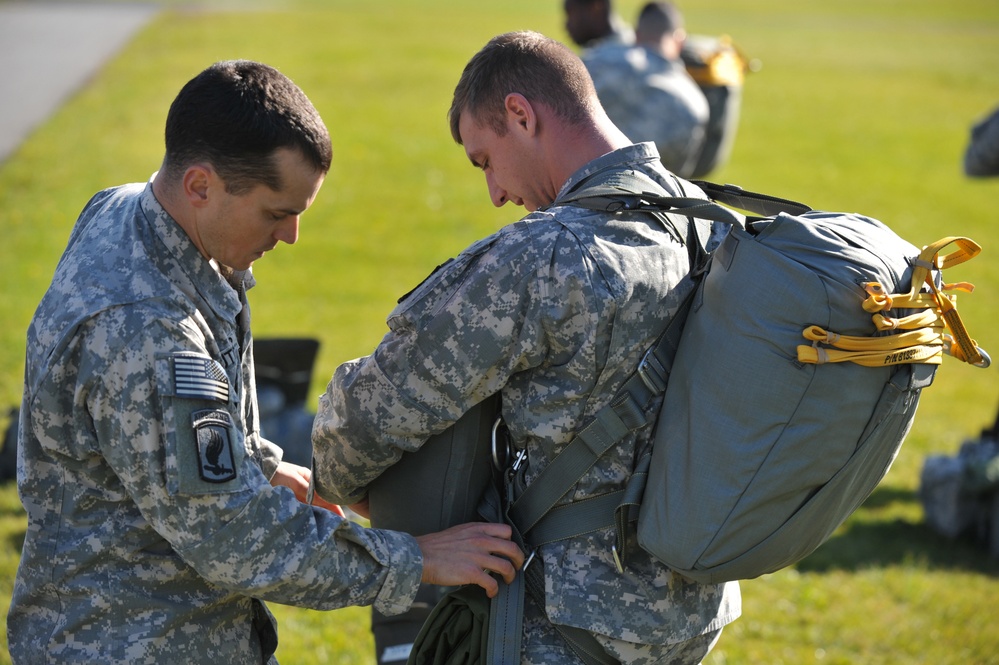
927, 317
969, 349
817, 355
930, 259
927, 335
925, 339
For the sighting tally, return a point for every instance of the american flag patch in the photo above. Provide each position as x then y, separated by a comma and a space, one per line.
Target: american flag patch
199, 377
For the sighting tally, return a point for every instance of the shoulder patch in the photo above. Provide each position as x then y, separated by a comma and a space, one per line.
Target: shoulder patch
200, 377
216, 462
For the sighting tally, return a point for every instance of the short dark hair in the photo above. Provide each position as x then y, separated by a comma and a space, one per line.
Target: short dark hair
589, 3
660, 18
540, 68
235, 115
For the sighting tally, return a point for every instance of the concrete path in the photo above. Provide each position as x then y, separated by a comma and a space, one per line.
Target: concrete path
48, 50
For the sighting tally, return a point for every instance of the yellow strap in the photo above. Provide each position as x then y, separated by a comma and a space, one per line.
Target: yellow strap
967, 250
927, 317
952, 349
969, 350
930, 258
924, 340
922, 300
879, 301
883, 343
928, 354
967, 287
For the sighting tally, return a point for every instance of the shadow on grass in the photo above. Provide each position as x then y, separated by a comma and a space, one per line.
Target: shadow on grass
872, 544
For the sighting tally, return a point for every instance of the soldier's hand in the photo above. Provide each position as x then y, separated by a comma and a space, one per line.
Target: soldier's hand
297, 479
467, 553
362, 508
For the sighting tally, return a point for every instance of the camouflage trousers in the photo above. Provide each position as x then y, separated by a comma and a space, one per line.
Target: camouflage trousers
542, 645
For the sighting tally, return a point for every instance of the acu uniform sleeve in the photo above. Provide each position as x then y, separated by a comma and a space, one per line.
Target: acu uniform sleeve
164, 422
452, 342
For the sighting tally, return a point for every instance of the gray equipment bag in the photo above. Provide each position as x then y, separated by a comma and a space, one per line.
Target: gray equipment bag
759, 457
765, 444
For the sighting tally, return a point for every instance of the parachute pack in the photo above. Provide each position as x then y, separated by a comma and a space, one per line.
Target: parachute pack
791, 384
789, 381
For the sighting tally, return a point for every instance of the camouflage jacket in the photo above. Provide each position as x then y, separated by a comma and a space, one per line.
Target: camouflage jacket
153, 531
554, 311
651, 98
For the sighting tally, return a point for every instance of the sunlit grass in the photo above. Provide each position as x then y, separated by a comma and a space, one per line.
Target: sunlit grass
859, 106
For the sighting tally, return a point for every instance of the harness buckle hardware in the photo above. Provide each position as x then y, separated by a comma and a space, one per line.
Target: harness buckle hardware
521, 456
498, 463
652, 373
528, 561
617, 559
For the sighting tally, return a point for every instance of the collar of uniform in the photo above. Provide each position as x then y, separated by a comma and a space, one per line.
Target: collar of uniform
221, 294
631, 155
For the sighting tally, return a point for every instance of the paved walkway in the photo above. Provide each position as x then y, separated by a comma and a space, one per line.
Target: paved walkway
48, 50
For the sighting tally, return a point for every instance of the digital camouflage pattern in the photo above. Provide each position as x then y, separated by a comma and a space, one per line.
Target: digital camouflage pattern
153, 532
555, 312
651, 98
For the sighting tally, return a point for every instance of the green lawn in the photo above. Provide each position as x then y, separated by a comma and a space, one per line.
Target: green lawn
859, 106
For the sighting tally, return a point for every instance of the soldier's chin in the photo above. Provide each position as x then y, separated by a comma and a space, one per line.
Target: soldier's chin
249, 262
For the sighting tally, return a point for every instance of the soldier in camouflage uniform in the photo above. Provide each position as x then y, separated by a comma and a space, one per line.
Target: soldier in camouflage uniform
594, 22
158, 518
554, 312
647, 91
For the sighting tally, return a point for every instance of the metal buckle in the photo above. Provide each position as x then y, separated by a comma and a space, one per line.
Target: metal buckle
521, 456
652, 379
500, 465
530, 558
617, 559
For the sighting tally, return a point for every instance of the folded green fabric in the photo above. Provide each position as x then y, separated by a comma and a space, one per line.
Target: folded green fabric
456, 632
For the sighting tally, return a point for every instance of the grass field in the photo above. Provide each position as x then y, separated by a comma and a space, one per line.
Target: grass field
861, 106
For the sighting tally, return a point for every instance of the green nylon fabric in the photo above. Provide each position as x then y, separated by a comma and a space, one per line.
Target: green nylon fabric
456, 632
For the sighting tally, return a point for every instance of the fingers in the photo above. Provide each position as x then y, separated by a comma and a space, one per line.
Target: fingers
297, 478
323, 503
294, 477
362, 508
487, 582
468, 553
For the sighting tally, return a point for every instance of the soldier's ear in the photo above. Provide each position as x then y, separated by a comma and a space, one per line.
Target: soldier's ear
197, 183
520, 113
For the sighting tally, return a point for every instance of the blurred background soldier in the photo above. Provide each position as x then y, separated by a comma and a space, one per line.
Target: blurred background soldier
646, 86
647, 91
593, 22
